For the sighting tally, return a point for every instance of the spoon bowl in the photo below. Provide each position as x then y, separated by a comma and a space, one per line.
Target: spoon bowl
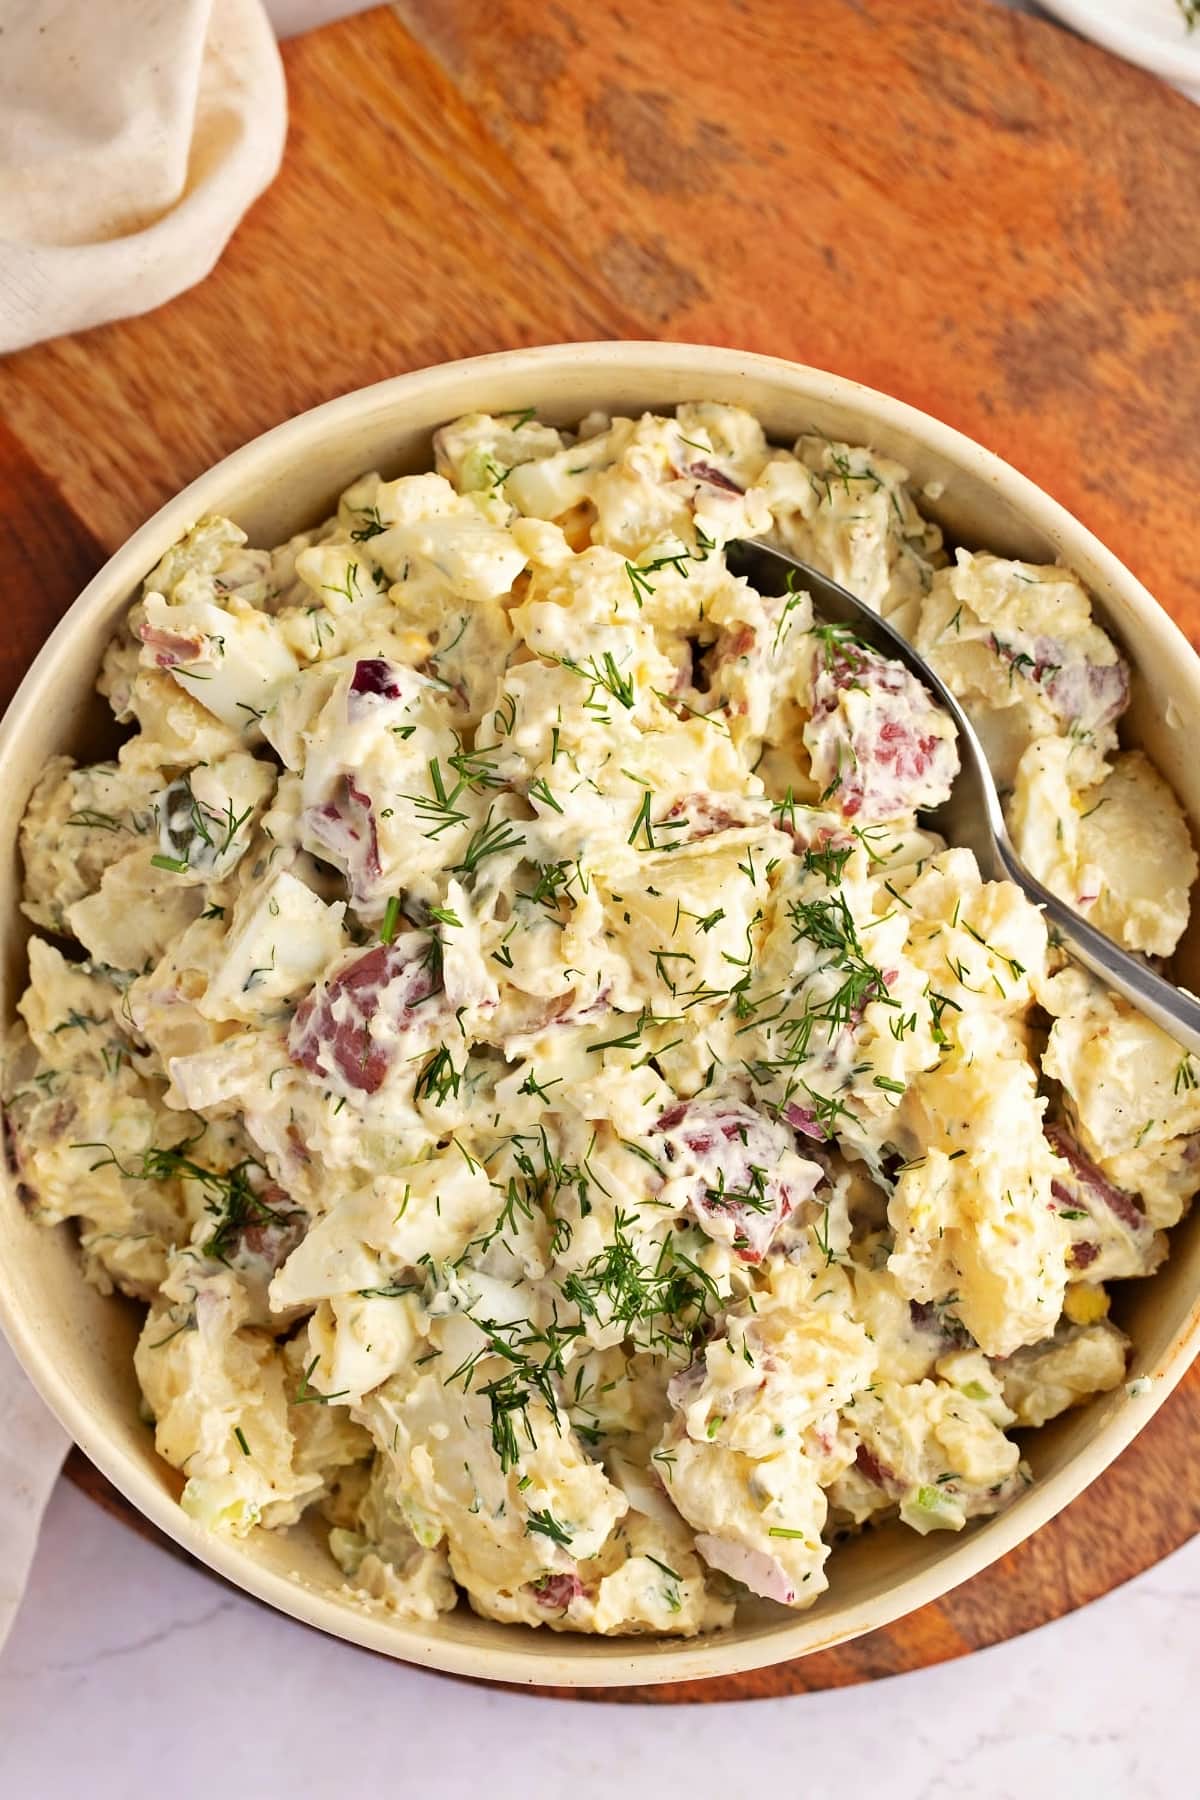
973, 816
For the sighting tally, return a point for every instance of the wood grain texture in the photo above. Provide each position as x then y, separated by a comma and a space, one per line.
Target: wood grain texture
49, 554
960, 205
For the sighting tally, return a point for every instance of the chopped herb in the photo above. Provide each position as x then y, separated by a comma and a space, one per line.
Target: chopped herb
548, 1526
604, 675
438, 1079
349, 586
373, 527
306, 1395
489, 839
391, 919
539, 790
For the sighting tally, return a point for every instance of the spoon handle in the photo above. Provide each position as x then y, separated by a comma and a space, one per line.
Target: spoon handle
1172, 1008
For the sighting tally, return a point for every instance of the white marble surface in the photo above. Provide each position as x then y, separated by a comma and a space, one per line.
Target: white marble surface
126, 1669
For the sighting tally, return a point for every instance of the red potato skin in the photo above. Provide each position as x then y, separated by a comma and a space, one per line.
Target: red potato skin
904, 764
556, 1592
331, 1031
374, 679
1121, 1204
171, 648
346, 828
735, 1153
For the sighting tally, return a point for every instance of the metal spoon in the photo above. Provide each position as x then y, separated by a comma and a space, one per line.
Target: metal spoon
972, 815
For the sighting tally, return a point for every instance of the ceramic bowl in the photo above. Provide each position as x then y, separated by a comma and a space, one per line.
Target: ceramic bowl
77, 1346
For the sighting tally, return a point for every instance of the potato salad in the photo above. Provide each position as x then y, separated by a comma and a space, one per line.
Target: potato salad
576, 1132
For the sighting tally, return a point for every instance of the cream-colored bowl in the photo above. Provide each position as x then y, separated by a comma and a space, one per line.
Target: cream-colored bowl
78, 1347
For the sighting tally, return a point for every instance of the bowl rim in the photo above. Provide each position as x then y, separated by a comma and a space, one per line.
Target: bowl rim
724, 1653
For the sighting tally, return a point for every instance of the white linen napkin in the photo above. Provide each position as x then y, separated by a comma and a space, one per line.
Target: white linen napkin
32, 1447
133, 136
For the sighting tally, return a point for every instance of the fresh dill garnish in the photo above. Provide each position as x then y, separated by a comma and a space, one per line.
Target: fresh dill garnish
548, 1526
307, 1395
439, 1079
230, 1194
391, 919
373, 528
74, 1020
828, 924
794, 597
348, 589
840, 646
540, 790
604, 675
828, 860
489, 839
440, 809
663, 1304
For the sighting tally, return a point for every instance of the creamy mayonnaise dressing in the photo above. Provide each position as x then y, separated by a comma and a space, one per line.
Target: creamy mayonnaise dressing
568, 1122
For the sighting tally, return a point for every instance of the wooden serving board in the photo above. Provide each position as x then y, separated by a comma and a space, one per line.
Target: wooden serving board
966, 207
